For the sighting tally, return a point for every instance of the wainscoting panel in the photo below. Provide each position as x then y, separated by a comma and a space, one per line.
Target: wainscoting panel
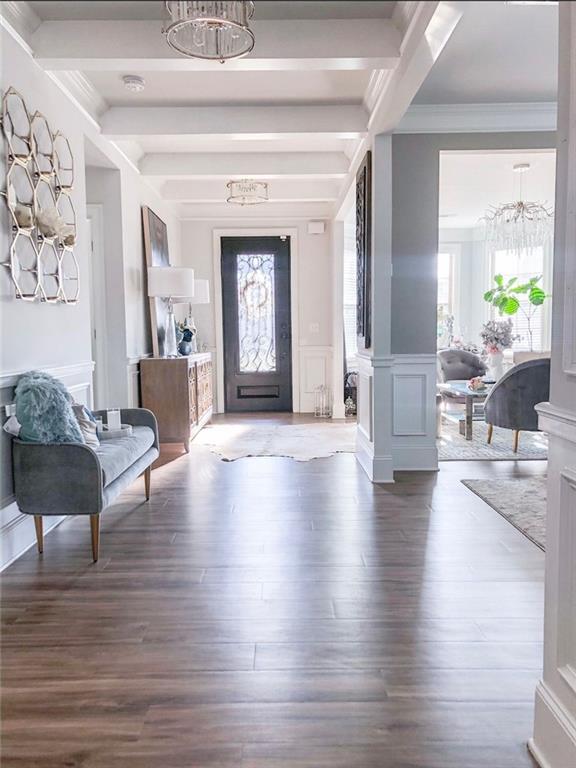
409, 404
17, 530
414, 412
315, 371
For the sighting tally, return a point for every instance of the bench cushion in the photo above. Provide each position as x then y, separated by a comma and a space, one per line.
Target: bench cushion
117, 454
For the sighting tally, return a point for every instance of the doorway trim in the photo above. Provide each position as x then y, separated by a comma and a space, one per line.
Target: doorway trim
98, 321
292, 233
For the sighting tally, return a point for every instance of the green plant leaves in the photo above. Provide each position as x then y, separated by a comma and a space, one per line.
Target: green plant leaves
537, 296
504, 296
510, 305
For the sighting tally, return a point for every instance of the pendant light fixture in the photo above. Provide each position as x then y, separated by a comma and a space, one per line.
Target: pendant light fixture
519, 224
217, 30
247, 192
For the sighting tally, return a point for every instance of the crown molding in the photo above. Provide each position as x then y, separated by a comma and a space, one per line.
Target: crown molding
81, 91
478, 118
21, 18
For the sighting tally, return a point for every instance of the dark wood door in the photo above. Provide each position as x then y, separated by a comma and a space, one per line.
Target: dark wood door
256, 312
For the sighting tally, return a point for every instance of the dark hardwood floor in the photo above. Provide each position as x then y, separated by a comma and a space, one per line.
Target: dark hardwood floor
268, 613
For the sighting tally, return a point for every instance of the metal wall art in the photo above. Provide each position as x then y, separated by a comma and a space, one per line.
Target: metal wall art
39, 181
364, 251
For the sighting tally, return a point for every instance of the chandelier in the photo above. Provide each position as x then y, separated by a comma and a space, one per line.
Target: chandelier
215, 30
247, 192
519, 225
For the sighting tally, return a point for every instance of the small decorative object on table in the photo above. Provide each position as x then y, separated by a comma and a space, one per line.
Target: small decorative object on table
187, 334
497, 336
477, 384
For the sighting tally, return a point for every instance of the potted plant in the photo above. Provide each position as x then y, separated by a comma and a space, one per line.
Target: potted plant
506, 298
497, 336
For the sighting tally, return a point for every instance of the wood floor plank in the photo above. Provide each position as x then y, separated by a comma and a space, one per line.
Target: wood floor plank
268, 613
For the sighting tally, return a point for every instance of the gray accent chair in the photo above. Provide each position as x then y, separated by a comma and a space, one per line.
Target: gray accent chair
75, 479
511, 402
458, 364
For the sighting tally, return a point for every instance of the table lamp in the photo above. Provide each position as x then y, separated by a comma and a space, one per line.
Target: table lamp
171, 283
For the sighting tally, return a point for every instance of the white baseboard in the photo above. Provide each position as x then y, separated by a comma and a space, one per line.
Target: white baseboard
415, 458
378, 468
554, 742
17, 534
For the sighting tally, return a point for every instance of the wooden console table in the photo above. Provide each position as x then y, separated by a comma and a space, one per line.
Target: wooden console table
178, 390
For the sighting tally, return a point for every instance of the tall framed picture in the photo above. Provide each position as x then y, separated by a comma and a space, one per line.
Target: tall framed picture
156, 252
364, 251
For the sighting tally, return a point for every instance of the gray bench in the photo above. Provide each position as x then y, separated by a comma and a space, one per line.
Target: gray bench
75, 479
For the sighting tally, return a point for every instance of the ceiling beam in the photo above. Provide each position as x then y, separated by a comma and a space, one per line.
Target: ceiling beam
346, 122
280, 212
264, 165
215, 191
280, 45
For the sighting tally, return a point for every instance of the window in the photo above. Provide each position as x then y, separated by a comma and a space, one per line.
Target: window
445, 298
350, 298
525, 265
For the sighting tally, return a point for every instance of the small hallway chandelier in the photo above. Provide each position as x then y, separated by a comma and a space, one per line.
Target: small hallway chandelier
519, 225
217, 30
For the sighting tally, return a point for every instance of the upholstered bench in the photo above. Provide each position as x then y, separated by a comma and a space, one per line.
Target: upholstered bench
75, 479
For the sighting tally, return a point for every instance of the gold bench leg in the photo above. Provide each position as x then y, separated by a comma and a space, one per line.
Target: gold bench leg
147, 474
95, 531
516, 440
39, 533
490, 431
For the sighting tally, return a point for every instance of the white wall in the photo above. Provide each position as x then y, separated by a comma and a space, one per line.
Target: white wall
471, 279
57, 337
313, 346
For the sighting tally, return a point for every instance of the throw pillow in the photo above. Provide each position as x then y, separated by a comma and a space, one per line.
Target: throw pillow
44, 409
87, 426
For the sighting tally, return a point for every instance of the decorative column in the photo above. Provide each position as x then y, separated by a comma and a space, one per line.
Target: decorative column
338, 319
554, 741
375, 363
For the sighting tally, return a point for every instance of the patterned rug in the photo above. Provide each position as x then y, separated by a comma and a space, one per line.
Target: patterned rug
521, 502
452, 446
300, 442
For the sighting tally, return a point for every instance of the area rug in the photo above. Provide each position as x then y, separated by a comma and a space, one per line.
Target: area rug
452, 446
301, 442
521, 502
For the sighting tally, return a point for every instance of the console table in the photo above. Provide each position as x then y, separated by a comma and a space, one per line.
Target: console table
178, 390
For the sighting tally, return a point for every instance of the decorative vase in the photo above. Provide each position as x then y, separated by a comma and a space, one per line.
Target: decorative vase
185, 348
496, 364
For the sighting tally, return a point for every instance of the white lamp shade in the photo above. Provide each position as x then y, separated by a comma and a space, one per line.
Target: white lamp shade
201, 292
170, 282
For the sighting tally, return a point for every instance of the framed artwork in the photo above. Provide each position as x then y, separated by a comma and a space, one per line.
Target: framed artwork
364, 251
156, 252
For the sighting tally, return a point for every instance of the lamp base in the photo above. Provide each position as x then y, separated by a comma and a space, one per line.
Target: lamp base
170, 345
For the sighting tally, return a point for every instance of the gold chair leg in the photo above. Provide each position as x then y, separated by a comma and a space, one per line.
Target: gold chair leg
490, 431
39, 533
516, 440
95, 530
147, 474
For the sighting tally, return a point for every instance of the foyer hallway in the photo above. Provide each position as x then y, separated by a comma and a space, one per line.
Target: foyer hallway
268, 613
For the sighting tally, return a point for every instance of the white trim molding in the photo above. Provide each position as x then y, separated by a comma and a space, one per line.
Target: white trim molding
478, 118
373, 444
10, 379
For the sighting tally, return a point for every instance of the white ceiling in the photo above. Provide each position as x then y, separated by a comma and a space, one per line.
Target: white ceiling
153, 9
232, 87
472, 181
497, 53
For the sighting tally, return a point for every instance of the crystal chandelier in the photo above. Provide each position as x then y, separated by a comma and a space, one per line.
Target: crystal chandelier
209, 30
520, 225
247, 192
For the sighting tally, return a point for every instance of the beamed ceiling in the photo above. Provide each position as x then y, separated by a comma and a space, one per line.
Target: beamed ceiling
297, 112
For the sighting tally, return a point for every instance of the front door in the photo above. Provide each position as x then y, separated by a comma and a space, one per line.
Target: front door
256, 313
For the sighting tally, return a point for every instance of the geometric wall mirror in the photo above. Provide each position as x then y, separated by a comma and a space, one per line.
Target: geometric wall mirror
39, 172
